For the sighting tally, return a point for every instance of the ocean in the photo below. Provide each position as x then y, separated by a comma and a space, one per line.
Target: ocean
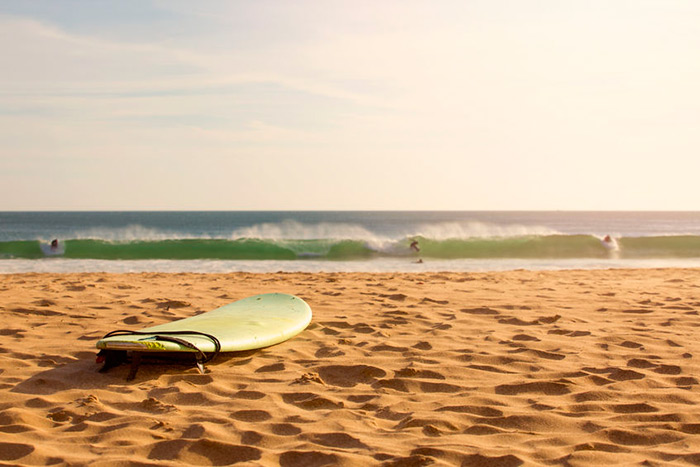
367, 241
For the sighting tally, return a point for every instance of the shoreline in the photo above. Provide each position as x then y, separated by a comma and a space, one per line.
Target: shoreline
535, 367
61, 266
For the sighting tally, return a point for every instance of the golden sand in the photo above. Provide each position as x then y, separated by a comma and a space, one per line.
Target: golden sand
502, 369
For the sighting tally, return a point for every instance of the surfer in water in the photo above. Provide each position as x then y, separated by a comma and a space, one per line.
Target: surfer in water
611, 245
414, 246
54, 244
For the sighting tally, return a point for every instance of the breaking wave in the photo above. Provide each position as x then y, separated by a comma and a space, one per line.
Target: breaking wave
347, 243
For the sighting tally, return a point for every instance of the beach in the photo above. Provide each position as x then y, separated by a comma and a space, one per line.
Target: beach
573, 367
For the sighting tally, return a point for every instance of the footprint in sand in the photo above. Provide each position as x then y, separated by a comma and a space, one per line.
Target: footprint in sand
508, 460
363, 328
329, 352
667, 370
131, 320
310, 458
538, 353
29, 311
310, 401
308, 378
250, 395
482, 411
338, 440
38, 403
569, 333
543, 387
251, 438
60, 416
631, 345
517, 322
525, 337
195, 431
638, 311
194, 452
416, 373
633, 408
154, 405
686, 382
348, 376
402, 385
399, 297
285, 429
251, 415
423, 345
633, 438
640, 363
489, 368
14, 451
616, 374
271, 368
436, 302
433, 423
388, 348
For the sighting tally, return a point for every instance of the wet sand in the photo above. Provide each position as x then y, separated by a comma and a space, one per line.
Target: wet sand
491, 369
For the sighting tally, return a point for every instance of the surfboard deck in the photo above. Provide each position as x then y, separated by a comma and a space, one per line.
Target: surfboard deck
251, 323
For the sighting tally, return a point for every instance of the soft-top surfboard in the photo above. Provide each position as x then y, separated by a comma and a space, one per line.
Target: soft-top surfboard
250, 323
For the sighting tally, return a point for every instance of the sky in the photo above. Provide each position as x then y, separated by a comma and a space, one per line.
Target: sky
341, 105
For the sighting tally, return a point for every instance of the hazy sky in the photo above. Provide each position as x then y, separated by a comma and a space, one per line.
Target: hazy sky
465, 104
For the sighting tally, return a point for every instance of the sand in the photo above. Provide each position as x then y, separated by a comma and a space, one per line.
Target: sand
492, 369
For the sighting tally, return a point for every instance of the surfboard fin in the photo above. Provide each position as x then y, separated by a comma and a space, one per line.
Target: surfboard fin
200, 366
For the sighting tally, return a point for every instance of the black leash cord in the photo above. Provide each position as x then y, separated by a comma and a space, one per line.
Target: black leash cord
163, 335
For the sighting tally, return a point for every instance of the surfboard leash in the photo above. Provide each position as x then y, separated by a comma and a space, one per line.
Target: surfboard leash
201, 357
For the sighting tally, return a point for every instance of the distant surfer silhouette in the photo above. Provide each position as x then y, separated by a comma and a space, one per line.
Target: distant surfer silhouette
414, 246
54, 244
611, 245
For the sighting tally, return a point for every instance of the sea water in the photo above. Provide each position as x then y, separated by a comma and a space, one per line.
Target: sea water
310, 241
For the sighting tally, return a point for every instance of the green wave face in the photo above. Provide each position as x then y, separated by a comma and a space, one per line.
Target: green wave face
177, 249
21, 249
528, 247
680, 246
524, 247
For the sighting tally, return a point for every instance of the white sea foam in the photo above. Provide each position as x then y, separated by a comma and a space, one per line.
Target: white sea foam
290, 229
462, 230
293, 230
131, 233
395, 244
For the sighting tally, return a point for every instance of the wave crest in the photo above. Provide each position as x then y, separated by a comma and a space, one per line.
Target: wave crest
469, 230
293, 230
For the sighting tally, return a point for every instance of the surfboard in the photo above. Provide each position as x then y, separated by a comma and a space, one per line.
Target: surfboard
251, 323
